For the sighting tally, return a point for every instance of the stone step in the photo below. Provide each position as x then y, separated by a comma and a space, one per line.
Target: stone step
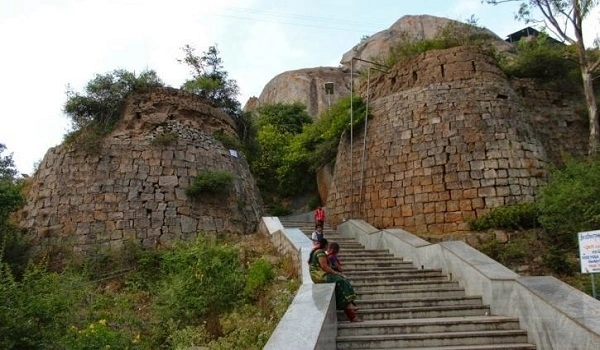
428, 325
411, 294
401, 341
420, 312
376, 259
397, 278
392, 273
406, 307
360, 269
418, 302
399, 286
374, 264
362, 253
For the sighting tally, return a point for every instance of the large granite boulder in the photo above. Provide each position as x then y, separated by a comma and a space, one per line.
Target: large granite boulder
306, 86
408, 28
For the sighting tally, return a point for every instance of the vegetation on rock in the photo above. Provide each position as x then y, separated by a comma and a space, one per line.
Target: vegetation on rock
210, 182
547, 228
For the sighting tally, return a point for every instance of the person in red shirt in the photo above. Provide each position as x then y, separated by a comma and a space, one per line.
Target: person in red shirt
319, 216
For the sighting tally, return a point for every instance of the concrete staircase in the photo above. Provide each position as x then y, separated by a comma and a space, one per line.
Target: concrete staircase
406, 307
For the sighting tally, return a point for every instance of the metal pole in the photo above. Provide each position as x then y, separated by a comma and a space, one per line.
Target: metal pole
351, 138
593, 286
364, 150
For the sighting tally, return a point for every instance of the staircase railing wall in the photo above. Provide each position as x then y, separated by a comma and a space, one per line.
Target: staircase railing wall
555, 315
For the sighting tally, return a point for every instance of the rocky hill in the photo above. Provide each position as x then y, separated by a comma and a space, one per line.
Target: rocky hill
132, 190
307, 85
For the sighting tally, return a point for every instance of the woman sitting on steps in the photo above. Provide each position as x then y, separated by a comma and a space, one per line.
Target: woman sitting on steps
321, 272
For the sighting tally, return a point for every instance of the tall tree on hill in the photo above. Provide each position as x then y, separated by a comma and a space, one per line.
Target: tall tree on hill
210, 80
562, 17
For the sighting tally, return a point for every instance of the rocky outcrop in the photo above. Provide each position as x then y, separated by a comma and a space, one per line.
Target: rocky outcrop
132, 189
307, 86
406, 29
450, 138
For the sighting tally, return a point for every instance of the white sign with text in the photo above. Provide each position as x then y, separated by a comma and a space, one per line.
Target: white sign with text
589, 251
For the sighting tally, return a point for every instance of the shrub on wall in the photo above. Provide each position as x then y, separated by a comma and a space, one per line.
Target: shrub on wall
510, 217
210, 182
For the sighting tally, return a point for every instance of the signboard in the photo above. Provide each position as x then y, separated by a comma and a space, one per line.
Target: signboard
589, 251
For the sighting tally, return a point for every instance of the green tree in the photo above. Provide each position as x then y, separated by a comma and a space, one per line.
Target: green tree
12, 246
271, 149
210, 80
562, 17
541, 58
101, 104
285, 117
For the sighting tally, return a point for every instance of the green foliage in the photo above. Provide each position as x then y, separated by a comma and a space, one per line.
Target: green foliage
100, 106
12, 245
97, 335
286, 118
451, 35
511, 253
510, 217
260, 274
570, 201
543, 59
278, 209
210, 182
38, 310
557, 260
210, 81
199, 280
272, 144
165, 139
228, 141
172, 299
316, 146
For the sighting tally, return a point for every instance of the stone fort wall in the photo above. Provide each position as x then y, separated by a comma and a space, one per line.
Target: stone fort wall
133, 188
449, 139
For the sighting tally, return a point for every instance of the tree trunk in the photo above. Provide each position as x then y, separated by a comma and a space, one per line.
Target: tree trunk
590, 100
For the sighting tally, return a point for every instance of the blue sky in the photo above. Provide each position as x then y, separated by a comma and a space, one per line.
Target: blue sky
49, 44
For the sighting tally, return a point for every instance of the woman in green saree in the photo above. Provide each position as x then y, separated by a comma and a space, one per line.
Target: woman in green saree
321, 272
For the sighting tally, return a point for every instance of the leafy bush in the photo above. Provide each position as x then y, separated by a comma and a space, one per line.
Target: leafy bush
557, 260
316, 146
210, 182
510, 217
101, 104
12, 245
542, 59
200, 280
260, 273
97, 335
570, 201
209, 80
38, 310
285, 117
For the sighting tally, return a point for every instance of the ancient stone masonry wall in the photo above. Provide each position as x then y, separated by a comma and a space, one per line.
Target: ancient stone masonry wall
558, 118
133, 189
448, 141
